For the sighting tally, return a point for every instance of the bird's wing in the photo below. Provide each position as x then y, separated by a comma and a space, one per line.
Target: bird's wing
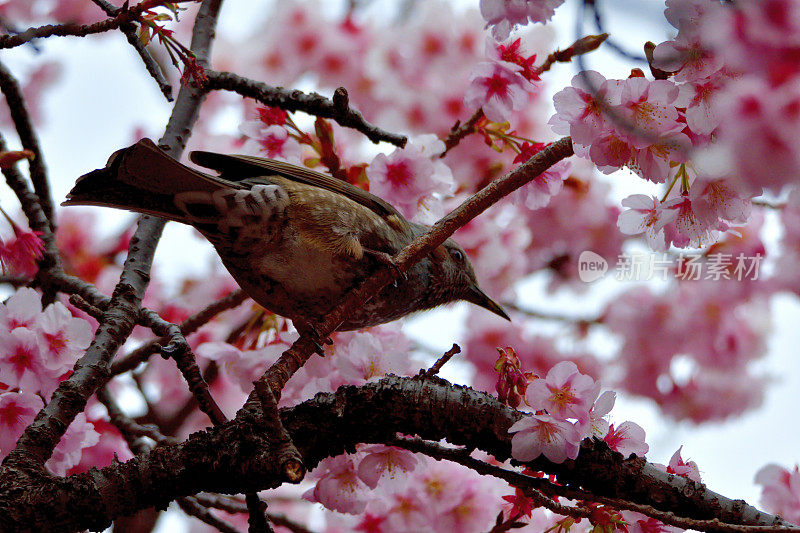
240, 167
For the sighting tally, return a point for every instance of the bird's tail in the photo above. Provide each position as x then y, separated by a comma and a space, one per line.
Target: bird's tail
141, 178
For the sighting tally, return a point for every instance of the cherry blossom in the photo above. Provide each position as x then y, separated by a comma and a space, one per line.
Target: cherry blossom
564, 393
384, 461
646, 215
79, 435
498, 88
627, 438
23, 364
539, 190
411, 176
597, 425
504, 15
338, 486
17, 410
62, 336
780, 493
21, 309
639, 523
683, 468
536, 435
271, 141
579, 108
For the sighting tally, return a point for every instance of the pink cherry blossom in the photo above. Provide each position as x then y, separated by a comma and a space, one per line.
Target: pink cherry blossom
504, 15
536, 435
411, 176
410, 511
688, 57
17, 411
702, 115
698, 398
647, 107
21, 309
364, 356
456, 499
755, 37
79, 435
639, 523
656, 161
338, 486
721, 199
683, 468
580, 108
62, 336
780, 493
498, 88
759, 125
20, 254
110, 447
384, 462
271, 141
597, 424
646, 214
694, 225
23, 364
627, 438
564, 393
539, 190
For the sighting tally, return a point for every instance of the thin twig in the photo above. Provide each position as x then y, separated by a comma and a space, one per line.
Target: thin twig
437, 366
129, 29
131, 431
191, 507
15, 281
187, 327
233, 506
22, 123
337, 109
75, 30
287, 456
549, 315
581, 46
257, 511
459, 131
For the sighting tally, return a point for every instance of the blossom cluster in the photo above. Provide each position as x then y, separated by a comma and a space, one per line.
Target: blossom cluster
568, 408
38, 348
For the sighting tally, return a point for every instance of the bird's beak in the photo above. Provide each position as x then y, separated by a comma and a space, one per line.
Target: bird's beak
478, 297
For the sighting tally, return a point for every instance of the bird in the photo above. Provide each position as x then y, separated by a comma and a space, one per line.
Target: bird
295, 240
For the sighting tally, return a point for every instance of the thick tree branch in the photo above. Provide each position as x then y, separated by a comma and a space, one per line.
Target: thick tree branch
242, 455
337, 108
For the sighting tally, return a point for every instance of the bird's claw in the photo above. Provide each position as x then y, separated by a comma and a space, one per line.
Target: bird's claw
387, 260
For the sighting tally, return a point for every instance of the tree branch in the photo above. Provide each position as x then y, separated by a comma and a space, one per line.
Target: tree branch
129, 30
337, 109
241, 456
22, 123
75, 30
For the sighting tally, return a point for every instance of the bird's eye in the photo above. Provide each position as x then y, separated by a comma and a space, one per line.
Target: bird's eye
458, 255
